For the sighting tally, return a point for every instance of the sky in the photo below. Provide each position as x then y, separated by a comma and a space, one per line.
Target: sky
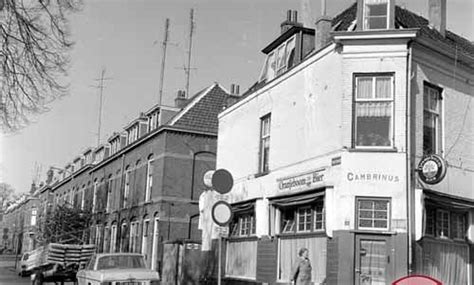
124, 37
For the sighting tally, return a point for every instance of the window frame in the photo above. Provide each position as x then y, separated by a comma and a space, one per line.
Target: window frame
243, 225
356, 100
388, 200
366, 17
294, 224
126, 187
437, 114
149, 178
262, 157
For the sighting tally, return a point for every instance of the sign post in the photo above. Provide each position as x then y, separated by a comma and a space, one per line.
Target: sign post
222, 215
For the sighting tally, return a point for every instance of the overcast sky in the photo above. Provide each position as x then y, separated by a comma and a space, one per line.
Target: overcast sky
125, 36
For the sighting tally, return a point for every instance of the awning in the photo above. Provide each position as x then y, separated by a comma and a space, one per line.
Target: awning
244, 206
448, 200
296, 199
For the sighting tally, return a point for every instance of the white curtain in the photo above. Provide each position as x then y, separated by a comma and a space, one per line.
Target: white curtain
374, 109
364, 88
242, 259
383, 87
376, 1
446, 261
288, 254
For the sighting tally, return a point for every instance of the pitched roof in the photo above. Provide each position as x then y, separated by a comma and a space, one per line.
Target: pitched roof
405, 19
201, 112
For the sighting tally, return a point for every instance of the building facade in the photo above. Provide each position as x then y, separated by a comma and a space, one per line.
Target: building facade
324, 151
142, 186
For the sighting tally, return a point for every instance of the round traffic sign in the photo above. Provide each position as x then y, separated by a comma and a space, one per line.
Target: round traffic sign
222, 181
221, 213
208, 178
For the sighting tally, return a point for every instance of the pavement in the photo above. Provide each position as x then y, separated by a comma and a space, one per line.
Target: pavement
8, 276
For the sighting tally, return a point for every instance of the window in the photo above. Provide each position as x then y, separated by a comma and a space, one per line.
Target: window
126, 189
149, 178
133, 236
243, 225
145, 229
108, 185
97, 236
133, 134
445, 223
376, 14
279, 60
113, 237
431, 120
153, 121
106, 244
33, 216
373, 214
83, 197
373, 111
301, 219
94, 195
264, 143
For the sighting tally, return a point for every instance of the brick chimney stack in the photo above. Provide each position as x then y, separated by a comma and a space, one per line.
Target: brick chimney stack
323, 28
437, 15
291, 20
180, 100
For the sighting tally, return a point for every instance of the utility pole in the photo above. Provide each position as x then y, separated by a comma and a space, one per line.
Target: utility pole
188, 68
165, 44
101, 87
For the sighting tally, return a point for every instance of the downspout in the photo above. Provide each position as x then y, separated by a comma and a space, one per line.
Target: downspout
408, 158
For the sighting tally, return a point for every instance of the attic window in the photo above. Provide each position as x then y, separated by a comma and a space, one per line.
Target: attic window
279, 60
376, 14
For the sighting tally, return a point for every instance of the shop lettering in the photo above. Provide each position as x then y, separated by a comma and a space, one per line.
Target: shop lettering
372, 177
305, 180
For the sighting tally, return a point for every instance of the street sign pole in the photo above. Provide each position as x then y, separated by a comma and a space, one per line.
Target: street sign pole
219, 261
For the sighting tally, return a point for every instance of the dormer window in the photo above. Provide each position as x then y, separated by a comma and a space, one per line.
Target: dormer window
115, 145
132, 134
99, 155
279, 60
376, 14
153, 121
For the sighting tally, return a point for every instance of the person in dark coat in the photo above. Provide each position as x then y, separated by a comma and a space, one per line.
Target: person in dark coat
301, 273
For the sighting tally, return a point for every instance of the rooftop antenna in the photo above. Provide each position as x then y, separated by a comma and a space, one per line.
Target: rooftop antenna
101, 87
188, 68
323, 7
162, 73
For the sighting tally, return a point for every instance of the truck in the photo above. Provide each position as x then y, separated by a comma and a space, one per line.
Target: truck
56, 262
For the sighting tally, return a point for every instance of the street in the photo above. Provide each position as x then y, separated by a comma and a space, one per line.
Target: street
8, 276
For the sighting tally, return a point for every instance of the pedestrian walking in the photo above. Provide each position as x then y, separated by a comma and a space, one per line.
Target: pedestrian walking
301, 273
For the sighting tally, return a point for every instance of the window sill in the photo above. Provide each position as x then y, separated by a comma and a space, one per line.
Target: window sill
374, 232
242, 238
445, 239
321, 233
375, 149
260, 174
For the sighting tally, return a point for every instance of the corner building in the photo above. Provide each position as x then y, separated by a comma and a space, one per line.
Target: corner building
324, 149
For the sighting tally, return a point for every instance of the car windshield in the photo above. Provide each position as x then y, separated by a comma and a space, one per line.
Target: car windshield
120, 261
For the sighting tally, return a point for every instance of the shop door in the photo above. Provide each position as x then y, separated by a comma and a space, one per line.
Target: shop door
373, 260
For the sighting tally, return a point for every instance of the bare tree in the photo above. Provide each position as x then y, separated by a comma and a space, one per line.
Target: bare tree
35, 41
6, 192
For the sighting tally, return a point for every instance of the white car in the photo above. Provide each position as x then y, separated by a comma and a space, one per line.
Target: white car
117, 269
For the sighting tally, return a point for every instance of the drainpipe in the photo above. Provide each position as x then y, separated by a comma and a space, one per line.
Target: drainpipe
190, 222
408, 159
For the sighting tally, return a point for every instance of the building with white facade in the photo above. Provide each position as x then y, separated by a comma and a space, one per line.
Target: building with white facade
324, 151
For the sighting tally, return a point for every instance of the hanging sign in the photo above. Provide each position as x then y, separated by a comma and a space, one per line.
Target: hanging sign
432, 169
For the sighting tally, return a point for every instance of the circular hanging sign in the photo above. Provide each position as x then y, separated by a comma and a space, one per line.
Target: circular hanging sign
222, 181
221, 213
208, 178
432, 169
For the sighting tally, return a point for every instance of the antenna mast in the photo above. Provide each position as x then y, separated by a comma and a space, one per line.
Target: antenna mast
101, 91
188, 68
162, 74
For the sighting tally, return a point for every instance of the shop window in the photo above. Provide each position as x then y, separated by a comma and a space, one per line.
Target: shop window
301, 219
431, 119
376, 14
373, 111
243, 225
373, 214
264, 143
443, 223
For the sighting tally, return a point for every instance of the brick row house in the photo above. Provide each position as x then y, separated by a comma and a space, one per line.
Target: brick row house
336, 127
142, 186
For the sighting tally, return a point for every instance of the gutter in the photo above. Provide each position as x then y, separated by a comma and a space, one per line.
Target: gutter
407, 158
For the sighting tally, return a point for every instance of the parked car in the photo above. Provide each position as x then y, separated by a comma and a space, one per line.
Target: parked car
21, 265
117, 268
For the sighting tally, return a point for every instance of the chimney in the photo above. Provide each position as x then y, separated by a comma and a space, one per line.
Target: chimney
290, 21
437, 15
180, 100
322, 34
232, 88
237, 89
